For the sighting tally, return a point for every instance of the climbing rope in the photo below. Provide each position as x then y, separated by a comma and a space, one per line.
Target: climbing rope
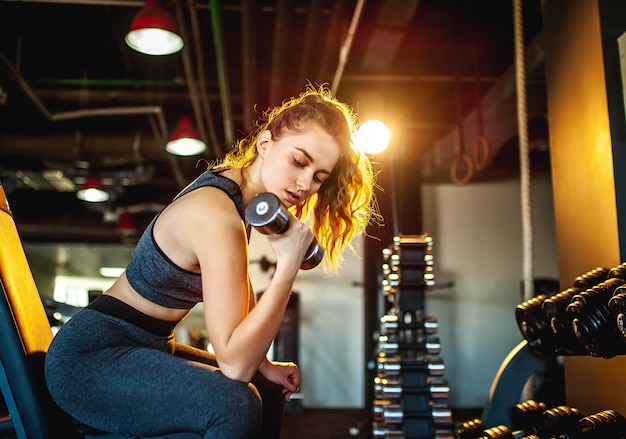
522, 122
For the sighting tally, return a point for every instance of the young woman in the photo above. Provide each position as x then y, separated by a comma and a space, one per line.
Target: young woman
116, 366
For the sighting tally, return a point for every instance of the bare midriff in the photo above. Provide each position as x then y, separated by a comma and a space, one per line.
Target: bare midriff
122, 290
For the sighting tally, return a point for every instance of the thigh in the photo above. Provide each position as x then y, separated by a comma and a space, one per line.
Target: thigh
273, 401
122, 380
154, 392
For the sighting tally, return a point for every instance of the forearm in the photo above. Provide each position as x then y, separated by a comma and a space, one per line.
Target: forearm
247, 346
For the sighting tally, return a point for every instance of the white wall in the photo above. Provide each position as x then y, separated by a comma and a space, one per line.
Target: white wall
477, 246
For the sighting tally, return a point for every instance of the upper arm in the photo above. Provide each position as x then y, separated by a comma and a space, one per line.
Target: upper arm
220, 244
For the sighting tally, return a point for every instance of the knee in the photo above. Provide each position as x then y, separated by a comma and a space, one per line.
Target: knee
242, 413
248, 405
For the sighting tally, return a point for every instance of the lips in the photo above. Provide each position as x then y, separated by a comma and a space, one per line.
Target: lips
292, 197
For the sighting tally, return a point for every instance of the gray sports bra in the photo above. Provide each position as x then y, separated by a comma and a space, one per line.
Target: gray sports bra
154, 276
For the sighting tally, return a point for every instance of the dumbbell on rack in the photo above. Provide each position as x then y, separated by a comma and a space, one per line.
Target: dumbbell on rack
591, 321
387, 413
429, 346
587, 318
395, 365
436, 389
555, 314
266, 214
391, 324
408, 271
531, 419
415, 424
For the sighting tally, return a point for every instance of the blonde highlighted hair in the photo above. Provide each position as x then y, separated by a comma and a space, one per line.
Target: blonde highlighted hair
344, 204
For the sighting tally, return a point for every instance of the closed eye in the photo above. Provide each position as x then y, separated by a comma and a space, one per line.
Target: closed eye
319, 179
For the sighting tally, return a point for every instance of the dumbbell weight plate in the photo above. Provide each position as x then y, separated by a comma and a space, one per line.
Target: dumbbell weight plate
313, 257
266, 214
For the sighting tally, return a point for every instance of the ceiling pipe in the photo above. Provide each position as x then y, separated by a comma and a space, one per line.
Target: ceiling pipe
131, 3
249, 10
158, 124
222, 72
194, 93
204, 98
279, 52
155, 111
330, 43
421, 78
192, 86
314, 13
344, 52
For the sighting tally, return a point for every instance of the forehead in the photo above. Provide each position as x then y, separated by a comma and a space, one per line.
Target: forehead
319, 146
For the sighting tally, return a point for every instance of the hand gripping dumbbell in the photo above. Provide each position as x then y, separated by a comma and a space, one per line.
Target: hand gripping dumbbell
267, 215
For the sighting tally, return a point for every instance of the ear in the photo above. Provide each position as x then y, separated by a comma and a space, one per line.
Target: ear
263, 142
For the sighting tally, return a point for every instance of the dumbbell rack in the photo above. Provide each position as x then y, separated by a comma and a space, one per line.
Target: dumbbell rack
410, 395
594, 300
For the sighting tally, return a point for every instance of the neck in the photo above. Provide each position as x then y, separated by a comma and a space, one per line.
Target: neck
247, 180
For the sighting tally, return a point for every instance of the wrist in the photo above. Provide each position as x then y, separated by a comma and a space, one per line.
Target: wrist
284, 275
264, 364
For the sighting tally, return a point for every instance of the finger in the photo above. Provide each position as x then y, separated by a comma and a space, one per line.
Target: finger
288, 386
295, 379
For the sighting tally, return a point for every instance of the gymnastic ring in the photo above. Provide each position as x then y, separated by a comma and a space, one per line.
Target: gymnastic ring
454, 168
481, 146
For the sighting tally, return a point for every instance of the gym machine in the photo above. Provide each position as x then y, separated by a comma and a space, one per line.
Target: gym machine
410, 393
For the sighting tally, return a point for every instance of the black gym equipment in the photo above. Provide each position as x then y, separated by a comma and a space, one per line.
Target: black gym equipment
410, 395
555, 314
589, 315
266, 214
584, 319
532, 420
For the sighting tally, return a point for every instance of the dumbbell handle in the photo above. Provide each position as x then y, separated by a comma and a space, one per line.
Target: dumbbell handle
268, 216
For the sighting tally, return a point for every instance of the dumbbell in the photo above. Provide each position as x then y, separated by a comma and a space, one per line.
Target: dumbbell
267, 215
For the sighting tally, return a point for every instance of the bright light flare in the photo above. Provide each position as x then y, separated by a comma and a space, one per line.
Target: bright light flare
372, 137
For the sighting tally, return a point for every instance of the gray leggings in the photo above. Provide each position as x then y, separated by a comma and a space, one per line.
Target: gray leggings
118, 377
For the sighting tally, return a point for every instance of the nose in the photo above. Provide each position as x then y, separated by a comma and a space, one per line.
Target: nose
304, 182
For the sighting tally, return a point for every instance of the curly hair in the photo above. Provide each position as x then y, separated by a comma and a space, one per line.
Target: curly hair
344, 204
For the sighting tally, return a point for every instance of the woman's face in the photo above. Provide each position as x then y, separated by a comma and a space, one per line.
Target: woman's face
295, 166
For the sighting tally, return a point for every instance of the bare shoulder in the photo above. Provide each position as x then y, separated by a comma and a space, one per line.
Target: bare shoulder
203, 205
201, 218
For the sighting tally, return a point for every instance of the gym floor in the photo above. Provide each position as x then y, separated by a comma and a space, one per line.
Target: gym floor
327, 424
343, 423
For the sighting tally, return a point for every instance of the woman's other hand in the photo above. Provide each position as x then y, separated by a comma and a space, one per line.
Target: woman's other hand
284, 374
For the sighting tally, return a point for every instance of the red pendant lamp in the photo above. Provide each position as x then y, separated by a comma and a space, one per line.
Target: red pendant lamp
125, 225
154, 31
185, 140
92, 190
